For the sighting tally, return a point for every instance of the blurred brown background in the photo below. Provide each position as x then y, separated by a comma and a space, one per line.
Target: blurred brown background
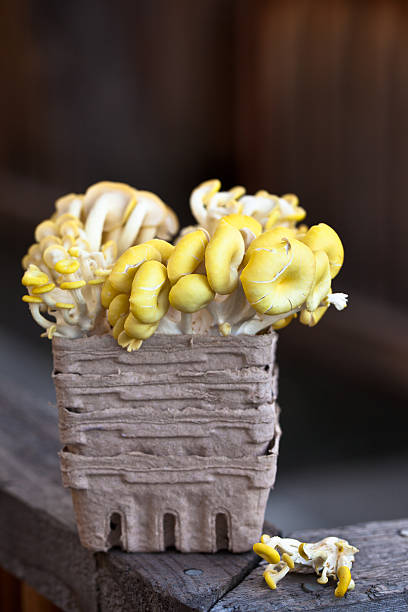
307, 96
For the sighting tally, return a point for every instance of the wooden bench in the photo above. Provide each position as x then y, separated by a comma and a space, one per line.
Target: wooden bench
39, 544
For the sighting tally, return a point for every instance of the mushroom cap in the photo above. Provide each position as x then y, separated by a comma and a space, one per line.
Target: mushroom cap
169, 226
200, 196
312, 318
71, 203
165, 248
279, 280
322, 281
266, 552
191, 293
244, 223
136, 329
44, 229
282, 323
53, 254
223, 257
124, 270
187, 255
108, 293
116, 196
149, 299
118, 307
34, 277
269, 240
322, 237
146, 210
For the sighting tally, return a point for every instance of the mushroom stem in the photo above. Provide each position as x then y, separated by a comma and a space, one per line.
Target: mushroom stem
186, 323
94, 224
38, 317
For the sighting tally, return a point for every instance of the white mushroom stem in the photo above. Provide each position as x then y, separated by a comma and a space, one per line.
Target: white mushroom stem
186, 323
38, 317
260, 322
96, 221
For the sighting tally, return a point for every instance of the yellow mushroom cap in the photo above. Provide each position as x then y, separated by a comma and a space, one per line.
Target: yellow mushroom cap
124, 270
279, 280
108, 293
67, 266
268, 240
312, 318
136, 329
187, 255
244, 223
282, 323
323, 238
223, 257
322, 281
344, 576
118, 307
34, 277
149, 299
165, 248
191, 293
266, 552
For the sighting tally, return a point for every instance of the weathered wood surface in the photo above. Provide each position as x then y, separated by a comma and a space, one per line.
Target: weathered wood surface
380, 572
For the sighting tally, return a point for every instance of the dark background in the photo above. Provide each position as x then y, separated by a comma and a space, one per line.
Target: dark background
307, 96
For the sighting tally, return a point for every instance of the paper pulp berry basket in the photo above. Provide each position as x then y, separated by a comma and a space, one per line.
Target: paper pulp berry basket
172, 445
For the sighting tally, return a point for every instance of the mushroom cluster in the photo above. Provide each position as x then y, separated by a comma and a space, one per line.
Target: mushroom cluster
247, 265
331, 557
245, 268
76, 248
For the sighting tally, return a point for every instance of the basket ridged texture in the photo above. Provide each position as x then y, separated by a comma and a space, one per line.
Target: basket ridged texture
175, 444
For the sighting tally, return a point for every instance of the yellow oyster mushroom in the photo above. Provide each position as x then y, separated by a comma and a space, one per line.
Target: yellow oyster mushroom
34, 277
46, 228
312, 318
278, 281
104, 205
118, 307
244, 223
323, 238
53, 254
322, 282
344, 576
137, 329
282, 323
125, 268
108, 293
187, 255
149, 299
268, 240
266, 552
165, 248
191, 293
223, 257
200, 197
144, 213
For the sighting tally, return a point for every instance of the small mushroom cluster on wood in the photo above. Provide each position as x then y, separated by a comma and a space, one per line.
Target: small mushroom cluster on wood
247, 266
331, 557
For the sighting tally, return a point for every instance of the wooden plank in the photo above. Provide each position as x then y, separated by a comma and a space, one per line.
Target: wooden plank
380, 572
39, 542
